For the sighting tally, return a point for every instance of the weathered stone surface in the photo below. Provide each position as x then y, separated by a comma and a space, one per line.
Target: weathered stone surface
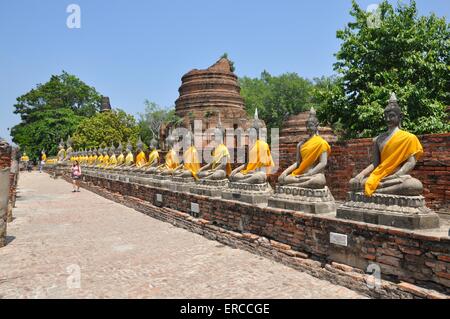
312, 201
248, 193
407, 212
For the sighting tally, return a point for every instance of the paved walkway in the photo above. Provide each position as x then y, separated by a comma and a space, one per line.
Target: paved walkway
80, 245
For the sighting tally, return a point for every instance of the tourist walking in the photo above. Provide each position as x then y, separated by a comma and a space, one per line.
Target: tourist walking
76, 174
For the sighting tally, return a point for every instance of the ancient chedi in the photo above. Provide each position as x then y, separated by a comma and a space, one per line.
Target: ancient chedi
205, 93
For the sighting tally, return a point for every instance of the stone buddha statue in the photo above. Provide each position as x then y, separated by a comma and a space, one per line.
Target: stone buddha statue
112, 162
99, 159
141, 159
190, 164
119, 155
43, 156
260, 160
384, 193
171, 160
395, 154
105, 160
129, 159
61, 152
69, 150
312, 156
89, 157
220, 166
153, 157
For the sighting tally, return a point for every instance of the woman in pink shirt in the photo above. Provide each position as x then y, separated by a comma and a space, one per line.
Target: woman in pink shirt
76, 174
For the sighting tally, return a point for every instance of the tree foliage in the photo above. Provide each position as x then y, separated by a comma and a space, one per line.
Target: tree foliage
403, 53
276, 97
153, 118
52, 111
105, 128
44, 130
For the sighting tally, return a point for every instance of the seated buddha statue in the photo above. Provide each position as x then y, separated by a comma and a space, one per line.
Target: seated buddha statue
61, 152
141, 158
171, 160
153, 158
220, 166
190, 163
260, 160
112, 162
104, 158
129, 159
69, 150
99, 159
93, 157
395, 154
312, 156
120, 157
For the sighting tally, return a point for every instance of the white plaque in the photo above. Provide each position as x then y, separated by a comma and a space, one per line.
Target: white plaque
338, 239
158, 197
195, 208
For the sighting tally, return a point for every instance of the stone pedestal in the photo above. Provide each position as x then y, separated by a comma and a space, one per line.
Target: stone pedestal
178, 184
407, 212
211, 188
313, 201
248, 193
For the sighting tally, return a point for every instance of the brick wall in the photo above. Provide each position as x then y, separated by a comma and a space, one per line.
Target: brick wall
5, 162
402, 255
350, 157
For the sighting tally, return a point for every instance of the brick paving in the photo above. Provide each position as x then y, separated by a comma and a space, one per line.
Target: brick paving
122, 253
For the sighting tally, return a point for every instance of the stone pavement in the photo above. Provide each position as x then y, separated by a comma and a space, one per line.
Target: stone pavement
80, 245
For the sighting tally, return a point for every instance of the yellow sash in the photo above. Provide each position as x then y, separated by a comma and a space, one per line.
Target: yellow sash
140, 159
191, 161
112, 160
259, 157
129, 159
311, 151
44, 157
154, 156
397, 150
120, 159
172, 160
220, 152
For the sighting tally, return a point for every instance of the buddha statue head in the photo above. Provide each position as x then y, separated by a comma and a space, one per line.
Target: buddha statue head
119, 149
188, 140
219, 132
89, 152
61, 145
170, 140
255, 128
312, 123
392, 113
112, 150
99, 151
153, 144
105, 151
129, 147
139, 145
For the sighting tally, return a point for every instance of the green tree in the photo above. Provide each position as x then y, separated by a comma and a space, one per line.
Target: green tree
44, 131
151, 121
276, 97
105, 128
52, 111
399, 52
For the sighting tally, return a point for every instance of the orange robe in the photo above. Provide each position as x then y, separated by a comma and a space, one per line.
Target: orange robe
310, 152
259, 157
401, 146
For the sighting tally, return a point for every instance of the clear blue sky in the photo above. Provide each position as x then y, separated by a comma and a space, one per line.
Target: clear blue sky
137, 50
